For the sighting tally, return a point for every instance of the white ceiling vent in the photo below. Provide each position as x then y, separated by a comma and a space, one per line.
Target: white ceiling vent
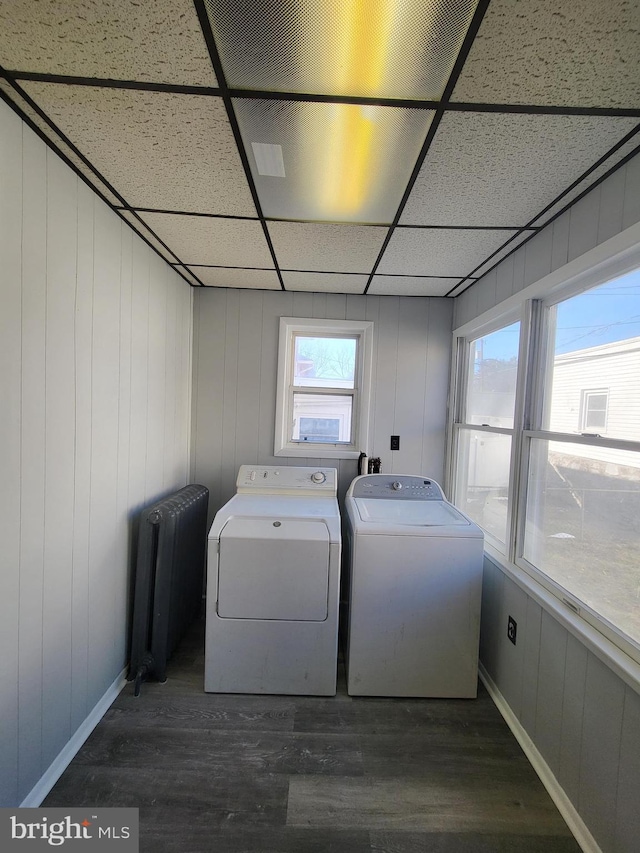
269, 160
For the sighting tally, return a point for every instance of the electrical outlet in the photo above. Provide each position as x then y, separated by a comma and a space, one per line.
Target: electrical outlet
395, 442
512, 629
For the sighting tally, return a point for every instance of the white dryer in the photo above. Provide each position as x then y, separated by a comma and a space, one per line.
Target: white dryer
415, 579
273, 582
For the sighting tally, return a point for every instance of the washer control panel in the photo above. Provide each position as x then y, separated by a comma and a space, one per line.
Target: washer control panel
287, 480
396, 487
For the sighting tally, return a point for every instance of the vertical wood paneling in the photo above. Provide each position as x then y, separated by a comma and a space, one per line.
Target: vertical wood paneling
486, 292
209, 415
156, 377
60, 452
627, 811
413, 320
139, 369
504, 279
372, 315
560, 241
436, 387
568, 773
553, 653
230, 394
123, 551
104, 445
600, 754
611, 205
583, 224
32, 463
83, 354
531, 663
10, 442
492, 591
537, 256
169, 383
249, 378
631, 208
518, 269
73, 430
274, 306
510, 657
386, 356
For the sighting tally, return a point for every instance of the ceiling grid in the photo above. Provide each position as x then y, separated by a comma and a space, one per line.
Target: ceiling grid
360, 146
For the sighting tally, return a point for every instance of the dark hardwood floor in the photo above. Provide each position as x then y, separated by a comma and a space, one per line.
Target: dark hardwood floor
282, 774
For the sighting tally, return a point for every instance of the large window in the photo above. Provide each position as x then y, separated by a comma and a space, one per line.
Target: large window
547, 459
323, 388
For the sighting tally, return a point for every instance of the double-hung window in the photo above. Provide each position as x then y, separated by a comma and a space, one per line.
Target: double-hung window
484, 429
581, 524
545, 444
324, 377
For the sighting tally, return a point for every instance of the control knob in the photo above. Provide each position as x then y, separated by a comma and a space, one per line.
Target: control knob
318, 477
396, 486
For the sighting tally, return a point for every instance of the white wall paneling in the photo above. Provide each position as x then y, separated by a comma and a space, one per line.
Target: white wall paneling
235, 371
96, 374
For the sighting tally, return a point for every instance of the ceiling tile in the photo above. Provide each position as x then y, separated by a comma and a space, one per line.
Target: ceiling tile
608, 164
325, 282
437, 253
148, 235
207, 240
342, 162
326, 248
502, 169
405, 285
545, 52
55, 140
511, 245
375, 48
119, 39
225, 277
158, 149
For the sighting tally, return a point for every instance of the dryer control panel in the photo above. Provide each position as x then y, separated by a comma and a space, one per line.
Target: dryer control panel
396, 487
285, 479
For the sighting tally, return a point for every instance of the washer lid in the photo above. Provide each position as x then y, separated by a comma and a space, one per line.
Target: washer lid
420, 513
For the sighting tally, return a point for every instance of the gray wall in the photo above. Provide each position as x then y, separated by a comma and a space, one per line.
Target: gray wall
582, 717
235, 371
95, 338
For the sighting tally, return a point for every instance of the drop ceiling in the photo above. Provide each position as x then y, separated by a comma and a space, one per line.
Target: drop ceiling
339, 146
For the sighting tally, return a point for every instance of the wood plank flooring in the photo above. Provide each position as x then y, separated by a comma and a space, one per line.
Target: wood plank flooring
281, 774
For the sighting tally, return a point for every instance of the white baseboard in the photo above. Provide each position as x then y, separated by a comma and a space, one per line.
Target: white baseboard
564, 805
60, 763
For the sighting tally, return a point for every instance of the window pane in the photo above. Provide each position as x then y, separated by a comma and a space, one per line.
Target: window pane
324, 362
324, 418
483, 479
595, 376
493, 367
583, 526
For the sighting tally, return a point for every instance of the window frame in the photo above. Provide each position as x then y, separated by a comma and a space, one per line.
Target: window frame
290, 327
462, 356
611, 260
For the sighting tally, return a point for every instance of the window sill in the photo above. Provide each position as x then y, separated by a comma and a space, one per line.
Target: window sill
624, 666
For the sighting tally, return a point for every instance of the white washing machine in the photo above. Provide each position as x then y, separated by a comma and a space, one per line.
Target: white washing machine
273, 582
415, 579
